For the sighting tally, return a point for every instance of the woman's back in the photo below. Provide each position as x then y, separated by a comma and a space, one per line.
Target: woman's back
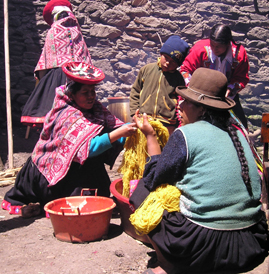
213, 191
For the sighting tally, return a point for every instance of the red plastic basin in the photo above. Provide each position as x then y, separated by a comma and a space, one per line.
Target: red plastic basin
80, 218
123, 204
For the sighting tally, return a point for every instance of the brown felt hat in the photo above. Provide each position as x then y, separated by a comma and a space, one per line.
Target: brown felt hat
207, 87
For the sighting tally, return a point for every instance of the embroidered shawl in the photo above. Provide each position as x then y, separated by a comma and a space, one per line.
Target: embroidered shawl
64, 43
67, 135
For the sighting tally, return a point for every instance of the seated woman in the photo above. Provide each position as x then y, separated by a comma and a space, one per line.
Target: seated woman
78, 137
220, 225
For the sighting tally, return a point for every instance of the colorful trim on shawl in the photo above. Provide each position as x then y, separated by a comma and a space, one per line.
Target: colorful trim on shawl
231, 63
255, 153
64, 43
67, 134
11, 209
33, 121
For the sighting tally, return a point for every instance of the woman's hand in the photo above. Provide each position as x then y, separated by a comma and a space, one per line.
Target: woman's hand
143, 124
127, 129
123, 131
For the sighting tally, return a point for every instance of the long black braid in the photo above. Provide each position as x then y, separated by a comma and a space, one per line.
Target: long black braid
224, 121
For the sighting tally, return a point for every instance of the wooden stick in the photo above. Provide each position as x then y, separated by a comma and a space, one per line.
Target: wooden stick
8, 101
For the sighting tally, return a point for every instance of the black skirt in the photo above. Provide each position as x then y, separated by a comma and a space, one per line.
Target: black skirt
42, 97
32, 187
193, 248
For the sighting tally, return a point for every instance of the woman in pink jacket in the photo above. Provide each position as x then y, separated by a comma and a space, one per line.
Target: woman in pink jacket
220, 52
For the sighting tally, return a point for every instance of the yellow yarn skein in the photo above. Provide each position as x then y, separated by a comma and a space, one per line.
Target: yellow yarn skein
150, 212
135, 155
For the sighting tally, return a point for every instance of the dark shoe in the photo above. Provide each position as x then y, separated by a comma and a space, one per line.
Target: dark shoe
31, 210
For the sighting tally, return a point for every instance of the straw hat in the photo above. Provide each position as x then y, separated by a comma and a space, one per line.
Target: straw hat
207, 87
49, 8
83, 73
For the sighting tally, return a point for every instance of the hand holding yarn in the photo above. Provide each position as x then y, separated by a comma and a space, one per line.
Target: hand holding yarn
142, 122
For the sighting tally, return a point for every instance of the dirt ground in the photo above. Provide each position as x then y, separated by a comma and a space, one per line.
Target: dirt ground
29, 246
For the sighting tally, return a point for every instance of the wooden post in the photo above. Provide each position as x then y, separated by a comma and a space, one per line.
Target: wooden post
8, 100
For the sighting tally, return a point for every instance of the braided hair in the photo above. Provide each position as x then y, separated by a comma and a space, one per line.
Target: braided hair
224, 121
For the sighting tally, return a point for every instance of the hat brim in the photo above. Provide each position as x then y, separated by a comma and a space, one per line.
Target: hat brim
198, 98
92, 77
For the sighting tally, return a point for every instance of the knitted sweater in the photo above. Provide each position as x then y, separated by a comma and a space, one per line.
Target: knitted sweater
207, 171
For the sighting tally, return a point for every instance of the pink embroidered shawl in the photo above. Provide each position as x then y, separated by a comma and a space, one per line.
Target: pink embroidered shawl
64, 43
67, 135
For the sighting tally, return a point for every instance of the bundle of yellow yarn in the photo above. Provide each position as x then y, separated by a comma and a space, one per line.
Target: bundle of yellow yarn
150, 212
135, 155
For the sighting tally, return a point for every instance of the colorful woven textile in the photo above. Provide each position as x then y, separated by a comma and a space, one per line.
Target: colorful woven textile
64, 43
67, 135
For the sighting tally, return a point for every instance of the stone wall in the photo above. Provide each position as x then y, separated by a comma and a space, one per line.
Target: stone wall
122, 36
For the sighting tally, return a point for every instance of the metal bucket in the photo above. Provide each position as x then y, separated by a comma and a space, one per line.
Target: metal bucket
79, 219
122, 202
119, 106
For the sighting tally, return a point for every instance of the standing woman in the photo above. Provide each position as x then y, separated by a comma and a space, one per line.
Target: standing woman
220, 225
79, 136
221, 53
64, 43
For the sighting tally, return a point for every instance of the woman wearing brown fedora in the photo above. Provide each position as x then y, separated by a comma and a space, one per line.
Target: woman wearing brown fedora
220, 225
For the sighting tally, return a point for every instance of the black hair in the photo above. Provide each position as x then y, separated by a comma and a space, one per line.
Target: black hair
221, 33
61, 15
74, 87
224, 121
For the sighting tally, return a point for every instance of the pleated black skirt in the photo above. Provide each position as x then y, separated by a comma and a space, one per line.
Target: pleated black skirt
193, 248
42, 97
32, 187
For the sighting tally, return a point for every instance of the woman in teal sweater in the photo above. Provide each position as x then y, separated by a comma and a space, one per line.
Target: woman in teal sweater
220, 225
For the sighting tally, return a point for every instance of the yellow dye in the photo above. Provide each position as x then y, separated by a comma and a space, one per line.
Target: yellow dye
135, 155
150, 212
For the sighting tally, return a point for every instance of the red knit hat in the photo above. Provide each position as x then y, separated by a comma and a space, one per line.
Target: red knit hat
83, 73
49, 8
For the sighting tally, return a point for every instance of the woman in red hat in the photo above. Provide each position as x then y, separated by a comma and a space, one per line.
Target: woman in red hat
79, 135
64, 43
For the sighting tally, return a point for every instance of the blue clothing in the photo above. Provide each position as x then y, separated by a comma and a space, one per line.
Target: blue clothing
219, 226
100, 144
208, 173
213, 192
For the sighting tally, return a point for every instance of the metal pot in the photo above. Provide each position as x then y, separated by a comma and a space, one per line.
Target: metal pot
119, 106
